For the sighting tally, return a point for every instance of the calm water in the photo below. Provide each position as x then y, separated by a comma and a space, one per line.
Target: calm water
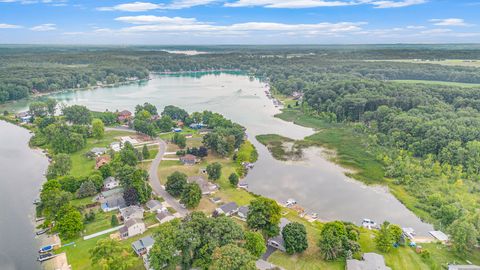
21, 177
318, 185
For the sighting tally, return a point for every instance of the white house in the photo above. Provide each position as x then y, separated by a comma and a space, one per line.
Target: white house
164, 216
132, 227
110, 183
132, 212
154, 206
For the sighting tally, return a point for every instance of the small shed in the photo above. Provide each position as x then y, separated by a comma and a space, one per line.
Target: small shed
440, 236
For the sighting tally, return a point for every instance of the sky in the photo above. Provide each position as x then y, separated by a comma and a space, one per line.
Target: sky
205, 22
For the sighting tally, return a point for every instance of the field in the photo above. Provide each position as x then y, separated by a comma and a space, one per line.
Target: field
456, 84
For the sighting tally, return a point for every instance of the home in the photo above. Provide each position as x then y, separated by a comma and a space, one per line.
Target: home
206, 187
110, 183
154, 206
113, 202
116, 146
129, 139
243, 212
131, 212
370, 261
180, 124
228, 209
196, 125
131, 228
109, 193
100, 161
97, 151
463, 267
24, 117
143, 245
277, 241
124, 116
188, 159
440, 236
164, 216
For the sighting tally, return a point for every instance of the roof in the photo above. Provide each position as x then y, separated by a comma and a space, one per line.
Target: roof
115, 201
125, 113
98, 150
371, 261
205, 186
153, 203
130, 211
131, 222
229, 207
109, 179
439, 235
163, 214
463, 267
144, 242
264, 265
189, 157
243, 210
109, 193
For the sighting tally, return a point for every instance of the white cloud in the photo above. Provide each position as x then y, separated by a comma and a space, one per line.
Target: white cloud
28, 2
146, 6
415, 27
322, 3
150, 19
436, 31
449, 22
44, 27
9, 26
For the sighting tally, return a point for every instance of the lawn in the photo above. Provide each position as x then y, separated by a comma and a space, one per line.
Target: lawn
83, 166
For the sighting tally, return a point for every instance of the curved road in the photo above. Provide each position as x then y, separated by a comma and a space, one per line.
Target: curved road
153, 173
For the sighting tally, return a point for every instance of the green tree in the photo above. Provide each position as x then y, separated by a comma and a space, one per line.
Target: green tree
145, 152
255, 244
264, 215
114, 221
232, 257
214, 171
295, 237
180, 140
163, 254
110, 254
128, 155
77, 114
176, 183
69, 222
60, 166
233, 178
463, 236
395, 232
191, 195
53, 198
332, 237
86, 189
51, 106
165, 123
98, 128
38, 108
384, 239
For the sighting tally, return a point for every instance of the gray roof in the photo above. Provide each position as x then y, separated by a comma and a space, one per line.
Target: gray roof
371, 261
112, 192
109, 179
264, 265
115, 201
163, 214
98, 150
153, 203
229, 207
145, 242
130, 211
243, 210
204, 185
132, 222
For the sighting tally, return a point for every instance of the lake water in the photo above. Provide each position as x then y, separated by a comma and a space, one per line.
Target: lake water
316, 184
22, 171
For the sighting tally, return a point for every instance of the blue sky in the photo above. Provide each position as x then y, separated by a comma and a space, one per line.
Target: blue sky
239, 21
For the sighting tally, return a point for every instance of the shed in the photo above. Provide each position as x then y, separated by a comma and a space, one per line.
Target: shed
440, 236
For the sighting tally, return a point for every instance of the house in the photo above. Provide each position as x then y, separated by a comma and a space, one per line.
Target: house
154, 206
196, 125
277, 241
114, 202
116, 146
440, 236
180, 124
463, 267
143, 245
408, 233
188, 159
124, 116
228, 209
164, 216
109, 193
98, 151
131, 228
110, 183
206, 187
204, 131
131, 212
25, 117
129, 139
100, 161
371, 261
243, 212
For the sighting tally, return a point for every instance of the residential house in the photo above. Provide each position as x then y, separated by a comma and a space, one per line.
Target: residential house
243, 212
124, 116
440, 236
132, 227
108, 193
196, 125
131, 212
463, 267
110, 183
371, 261
116, 146
277, 241
98, 151
228, 209
164, 216
114, 202
143, 245
206, 187
188, 159
129, 139
154, 206
100, 161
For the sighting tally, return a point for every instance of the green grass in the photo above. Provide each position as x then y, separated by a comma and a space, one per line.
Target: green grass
102, 222
83, 166
456, 84
275, 144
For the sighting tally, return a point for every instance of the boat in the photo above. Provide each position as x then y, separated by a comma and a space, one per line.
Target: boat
290, 202
39, 219
45, 257
36, 201
369, 224
46, 249
314, 216
42, 231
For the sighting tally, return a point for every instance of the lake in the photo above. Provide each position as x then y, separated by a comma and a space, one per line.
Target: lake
22, 171
317, 184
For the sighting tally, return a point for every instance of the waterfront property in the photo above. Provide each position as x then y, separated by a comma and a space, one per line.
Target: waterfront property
131, 228
154, 206
114, 202
143, 245
277, 241
188, 159
440, 236
371, 261
206, 187
124, 116
228, 209
243, 212
110, 183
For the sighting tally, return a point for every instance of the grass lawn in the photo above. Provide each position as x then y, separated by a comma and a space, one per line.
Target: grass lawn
81, 165
471, 85
102, 222
275, 144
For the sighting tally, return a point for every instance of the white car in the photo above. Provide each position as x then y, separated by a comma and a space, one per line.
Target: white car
368, 223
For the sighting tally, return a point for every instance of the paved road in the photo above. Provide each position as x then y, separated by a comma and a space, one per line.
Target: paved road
155, 182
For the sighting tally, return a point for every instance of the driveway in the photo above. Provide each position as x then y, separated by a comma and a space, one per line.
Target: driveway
269, 252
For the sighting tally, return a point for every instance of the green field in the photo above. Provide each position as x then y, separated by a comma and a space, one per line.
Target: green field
456, 84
